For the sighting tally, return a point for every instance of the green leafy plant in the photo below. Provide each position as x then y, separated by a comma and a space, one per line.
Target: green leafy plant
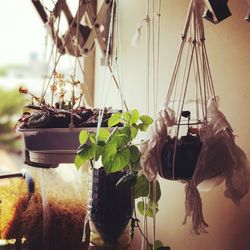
115, 145
117, 149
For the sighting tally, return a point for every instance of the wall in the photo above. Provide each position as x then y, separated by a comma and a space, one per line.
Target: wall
228, 45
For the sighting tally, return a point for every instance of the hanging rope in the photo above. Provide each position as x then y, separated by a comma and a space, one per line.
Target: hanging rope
106, 63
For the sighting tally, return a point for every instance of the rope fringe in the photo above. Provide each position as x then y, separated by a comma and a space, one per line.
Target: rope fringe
193, 206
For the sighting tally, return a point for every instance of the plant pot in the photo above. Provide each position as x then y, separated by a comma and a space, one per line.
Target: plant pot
48, 147
110, 210
179, 163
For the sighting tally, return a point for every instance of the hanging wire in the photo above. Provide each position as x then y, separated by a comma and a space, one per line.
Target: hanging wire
62, 47
76, 48
148, 20
158, 52
106, 63
117, 56
153, 59
155, 86
56, 51
109, 66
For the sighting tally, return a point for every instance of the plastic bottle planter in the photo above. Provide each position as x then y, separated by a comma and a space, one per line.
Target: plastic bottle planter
110, 210
48, 147
179, 163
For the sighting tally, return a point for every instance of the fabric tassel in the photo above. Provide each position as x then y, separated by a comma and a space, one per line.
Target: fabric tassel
193, 205
135, 41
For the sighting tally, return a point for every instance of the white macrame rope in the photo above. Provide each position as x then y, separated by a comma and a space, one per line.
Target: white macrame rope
156, 61
106, 63
148, 37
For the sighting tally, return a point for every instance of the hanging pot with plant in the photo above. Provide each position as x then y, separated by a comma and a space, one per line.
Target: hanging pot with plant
51, 131
119, 181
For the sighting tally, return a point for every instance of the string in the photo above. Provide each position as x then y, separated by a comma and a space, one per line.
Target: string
148, 57
182, 105
148, 38
117, 56
184, 78
198, 88
109, 66
71, 125
56, 51
106, 63
153, 58
62, 47
155, 88
158, 51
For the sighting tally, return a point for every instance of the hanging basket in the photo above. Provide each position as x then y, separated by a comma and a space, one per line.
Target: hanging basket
48, 147
110, 210
51, 135
191, 139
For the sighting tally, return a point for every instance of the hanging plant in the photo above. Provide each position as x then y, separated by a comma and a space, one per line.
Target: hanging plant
116, 145
203, 147
117, 150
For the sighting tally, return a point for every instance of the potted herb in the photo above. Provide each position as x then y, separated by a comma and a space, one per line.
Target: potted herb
119, 181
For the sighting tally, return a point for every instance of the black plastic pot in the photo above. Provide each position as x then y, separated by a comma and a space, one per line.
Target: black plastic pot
186, 154
110, 208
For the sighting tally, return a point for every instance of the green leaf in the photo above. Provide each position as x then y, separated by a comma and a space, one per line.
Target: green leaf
99, 150
87, 151
149, 208
120, 160
126, 130
158, 191
79, 161
140, 207
143, 127
109, 152
135, 154
147, 120
103, 134
126, 117
141, 187
121, 137
158, 246
92, 138
114, 119
134, 132
83, 137
134, 116
119, 140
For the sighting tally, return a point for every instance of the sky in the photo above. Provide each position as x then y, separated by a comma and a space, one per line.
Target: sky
22, 39
22, 32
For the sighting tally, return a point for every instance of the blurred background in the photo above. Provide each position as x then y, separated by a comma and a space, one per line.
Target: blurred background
23, 62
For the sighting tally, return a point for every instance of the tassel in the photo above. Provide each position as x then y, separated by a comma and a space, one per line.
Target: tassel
136, 38
193, 205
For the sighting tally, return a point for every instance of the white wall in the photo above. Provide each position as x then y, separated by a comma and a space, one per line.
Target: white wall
228, 45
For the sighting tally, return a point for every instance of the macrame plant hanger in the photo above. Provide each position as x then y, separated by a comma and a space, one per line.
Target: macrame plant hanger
191, 139
180, 121
180, 116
